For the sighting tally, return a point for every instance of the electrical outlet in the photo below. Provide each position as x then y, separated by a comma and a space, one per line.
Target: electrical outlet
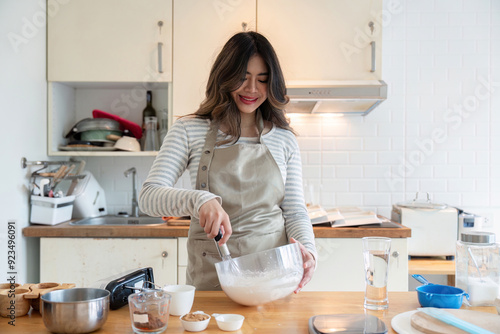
488, 220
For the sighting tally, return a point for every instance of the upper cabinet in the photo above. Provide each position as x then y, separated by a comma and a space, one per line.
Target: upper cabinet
318, 40
110, 41
324, 39
201, 28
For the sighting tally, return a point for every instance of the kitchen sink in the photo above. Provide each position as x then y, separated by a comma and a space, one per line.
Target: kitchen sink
119, 220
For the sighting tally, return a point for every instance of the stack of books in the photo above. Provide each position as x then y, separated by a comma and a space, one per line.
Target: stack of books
343, 216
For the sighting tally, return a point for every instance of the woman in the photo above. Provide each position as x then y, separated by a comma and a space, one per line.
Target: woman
244, 163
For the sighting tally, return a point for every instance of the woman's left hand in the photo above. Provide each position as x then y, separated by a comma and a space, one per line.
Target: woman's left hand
309, 265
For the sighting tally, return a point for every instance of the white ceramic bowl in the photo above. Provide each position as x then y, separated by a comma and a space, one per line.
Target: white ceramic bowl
262, 277
182, 298
128, 144
229, 322
195, 326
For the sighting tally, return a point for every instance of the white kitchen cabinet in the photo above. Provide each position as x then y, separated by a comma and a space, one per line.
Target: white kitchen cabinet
84, 261
323, 40
319, 40
200, 30
110, 41
105, 54
182, 260
340, 265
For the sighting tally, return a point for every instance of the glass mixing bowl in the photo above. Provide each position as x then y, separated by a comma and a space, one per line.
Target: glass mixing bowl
262, 277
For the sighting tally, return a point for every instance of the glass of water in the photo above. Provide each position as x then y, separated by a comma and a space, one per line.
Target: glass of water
376, 254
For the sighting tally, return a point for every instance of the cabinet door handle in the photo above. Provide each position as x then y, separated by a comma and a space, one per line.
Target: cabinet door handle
164, 254
373, 56
160, 64
244, 26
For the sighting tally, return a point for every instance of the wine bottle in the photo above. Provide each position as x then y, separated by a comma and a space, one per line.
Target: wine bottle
148, 111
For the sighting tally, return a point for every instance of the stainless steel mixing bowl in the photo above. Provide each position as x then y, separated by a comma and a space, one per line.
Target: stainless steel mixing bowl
262, 277
79, 310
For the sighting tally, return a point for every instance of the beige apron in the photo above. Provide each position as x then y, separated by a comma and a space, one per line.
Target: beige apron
250, 184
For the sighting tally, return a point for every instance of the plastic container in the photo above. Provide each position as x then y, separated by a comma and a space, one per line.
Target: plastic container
478, 267
51, 210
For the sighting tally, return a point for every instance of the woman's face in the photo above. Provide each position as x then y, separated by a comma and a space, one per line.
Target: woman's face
253, 91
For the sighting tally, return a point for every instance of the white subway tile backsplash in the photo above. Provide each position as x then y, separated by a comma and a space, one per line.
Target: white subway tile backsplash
349, 171
450, 6
482, 185
377, 143
378, 171
376, 199
433, 185
461, 157
419, 6
476, 171
448, 171
476, 60
335, 158
477, 5
364, 129
479, 142
363, 185
362, 158
311, 171
309, 144
476, 198
476, 32
335, 185
482, 157
461, 185
350, 144
314, 158
349, 199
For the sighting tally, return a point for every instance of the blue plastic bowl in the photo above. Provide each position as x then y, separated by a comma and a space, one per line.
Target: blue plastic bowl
440, 296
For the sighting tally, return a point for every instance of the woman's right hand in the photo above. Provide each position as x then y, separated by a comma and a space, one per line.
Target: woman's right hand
213, 218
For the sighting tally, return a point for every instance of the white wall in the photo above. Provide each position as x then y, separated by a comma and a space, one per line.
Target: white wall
23, 128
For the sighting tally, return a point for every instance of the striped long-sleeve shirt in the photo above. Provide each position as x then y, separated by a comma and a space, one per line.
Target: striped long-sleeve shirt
181, 150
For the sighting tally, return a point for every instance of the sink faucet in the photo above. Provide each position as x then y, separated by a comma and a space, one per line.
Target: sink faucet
135, 205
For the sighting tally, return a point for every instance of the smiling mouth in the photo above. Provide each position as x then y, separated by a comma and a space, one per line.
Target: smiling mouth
248, 100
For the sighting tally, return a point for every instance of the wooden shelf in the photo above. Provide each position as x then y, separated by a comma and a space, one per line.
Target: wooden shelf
433, 266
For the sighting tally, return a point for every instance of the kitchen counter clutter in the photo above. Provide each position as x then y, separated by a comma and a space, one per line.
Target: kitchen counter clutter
73, 253
289, 315
166, 230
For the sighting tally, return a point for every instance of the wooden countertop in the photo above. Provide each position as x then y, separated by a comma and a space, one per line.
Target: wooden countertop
165, 231
289, 315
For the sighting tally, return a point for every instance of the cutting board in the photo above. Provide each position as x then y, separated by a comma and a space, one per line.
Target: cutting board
427, 324
177, 221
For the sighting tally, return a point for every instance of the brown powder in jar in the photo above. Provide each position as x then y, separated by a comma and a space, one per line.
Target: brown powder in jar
194, 317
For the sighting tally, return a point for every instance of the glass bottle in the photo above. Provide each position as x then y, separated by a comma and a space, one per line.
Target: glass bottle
148, 111
151, 134
478, 267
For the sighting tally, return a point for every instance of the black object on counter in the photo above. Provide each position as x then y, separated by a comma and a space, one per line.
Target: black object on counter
120, 288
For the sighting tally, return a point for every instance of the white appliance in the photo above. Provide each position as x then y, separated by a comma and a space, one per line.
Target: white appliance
90, 200
434, 227
468, 222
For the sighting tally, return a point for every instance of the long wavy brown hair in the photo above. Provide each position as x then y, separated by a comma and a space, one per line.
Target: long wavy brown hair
226, 76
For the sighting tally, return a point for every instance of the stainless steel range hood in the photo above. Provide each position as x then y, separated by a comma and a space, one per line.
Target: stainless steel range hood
336, 97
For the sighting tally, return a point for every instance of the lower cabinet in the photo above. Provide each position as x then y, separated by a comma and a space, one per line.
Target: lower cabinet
84, 261
182, 259
340, 265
